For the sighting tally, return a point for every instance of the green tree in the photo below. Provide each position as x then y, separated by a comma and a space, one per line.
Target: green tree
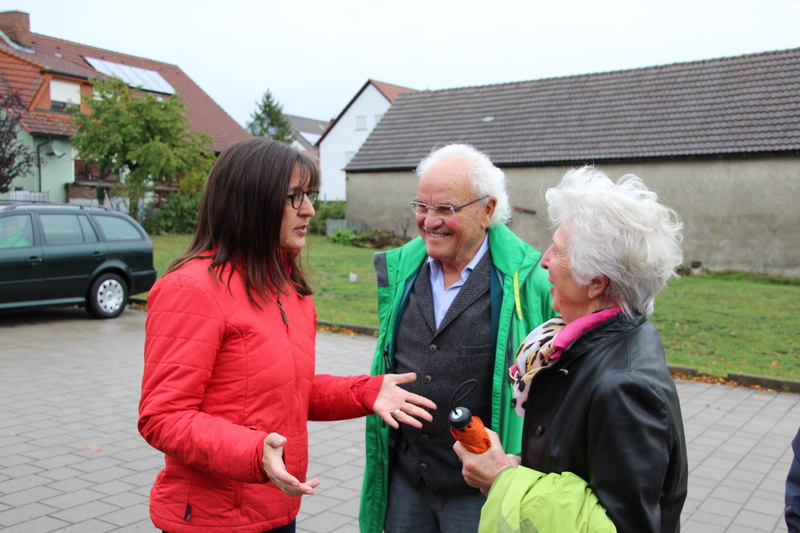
143, 139
268, 121
16, 158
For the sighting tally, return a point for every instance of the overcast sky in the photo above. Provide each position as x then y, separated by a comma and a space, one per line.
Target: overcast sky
314, 55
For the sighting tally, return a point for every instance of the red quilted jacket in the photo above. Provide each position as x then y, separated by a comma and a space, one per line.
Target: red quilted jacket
220, 375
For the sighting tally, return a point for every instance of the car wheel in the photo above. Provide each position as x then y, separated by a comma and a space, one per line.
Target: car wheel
107, 297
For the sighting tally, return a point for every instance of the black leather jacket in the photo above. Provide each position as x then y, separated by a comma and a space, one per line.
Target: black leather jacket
608, 411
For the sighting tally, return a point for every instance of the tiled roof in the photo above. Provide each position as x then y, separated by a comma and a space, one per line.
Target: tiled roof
23, 77
19, 75
390, 92
736, 105
65, 57
59, 124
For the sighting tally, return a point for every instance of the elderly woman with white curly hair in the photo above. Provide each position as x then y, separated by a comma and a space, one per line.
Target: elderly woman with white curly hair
598, 402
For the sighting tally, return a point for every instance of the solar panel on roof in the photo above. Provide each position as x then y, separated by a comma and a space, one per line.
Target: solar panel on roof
149, 80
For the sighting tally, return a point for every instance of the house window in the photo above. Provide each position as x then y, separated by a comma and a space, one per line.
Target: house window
65, 96
348, 156
361, 122
378, 118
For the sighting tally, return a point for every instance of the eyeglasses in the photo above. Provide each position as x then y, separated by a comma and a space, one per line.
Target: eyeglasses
442, 210
297, 197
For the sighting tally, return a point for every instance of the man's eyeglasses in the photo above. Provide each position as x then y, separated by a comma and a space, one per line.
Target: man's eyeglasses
442, 210
297, 197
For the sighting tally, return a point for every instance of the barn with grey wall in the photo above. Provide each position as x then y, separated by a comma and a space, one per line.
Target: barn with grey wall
739, 214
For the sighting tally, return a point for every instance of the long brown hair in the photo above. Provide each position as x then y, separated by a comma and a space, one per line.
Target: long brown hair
241, 212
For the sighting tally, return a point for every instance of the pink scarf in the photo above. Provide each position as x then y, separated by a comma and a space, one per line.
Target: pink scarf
545, 344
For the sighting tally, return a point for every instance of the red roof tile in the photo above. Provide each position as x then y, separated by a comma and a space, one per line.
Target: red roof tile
22, 76
54, 124
390, 91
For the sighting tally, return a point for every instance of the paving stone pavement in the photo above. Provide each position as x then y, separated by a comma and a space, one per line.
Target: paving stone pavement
72, 460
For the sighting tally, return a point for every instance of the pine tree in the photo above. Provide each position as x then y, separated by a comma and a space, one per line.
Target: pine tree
268, 121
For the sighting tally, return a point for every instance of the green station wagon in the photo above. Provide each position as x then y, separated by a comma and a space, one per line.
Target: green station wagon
64, 254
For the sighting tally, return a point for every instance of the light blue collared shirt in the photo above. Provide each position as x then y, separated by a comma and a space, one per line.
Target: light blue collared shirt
442, 299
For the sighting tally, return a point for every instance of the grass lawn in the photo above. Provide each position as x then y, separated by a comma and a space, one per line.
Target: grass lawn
724, 325
166, 248
336, 297
718, 323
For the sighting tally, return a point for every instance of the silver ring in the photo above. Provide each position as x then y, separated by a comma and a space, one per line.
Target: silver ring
397, 411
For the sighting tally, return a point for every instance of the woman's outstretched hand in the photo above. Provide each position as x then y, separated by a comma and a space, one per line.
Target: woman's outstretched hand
397, 405
272, 460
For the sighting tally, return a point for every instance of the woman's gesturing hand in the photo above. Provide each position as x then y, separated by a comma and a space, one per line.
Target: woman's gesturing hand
397, 405
272, 460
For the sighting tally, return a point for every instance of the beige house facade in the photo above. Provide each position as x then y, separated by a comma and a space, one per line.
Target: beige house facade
741, 214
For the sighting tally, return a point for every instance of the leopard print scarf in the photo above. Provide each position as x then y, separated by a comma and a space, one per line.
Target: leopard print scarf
532, 355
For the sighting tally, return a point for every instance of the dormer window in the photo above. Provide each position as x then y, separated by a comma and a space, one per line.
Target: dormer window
65, 96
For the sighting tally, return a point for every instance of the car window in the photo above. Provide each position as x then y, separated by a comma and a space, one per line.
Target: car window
61, 229
16, 231
89, 234
118, 229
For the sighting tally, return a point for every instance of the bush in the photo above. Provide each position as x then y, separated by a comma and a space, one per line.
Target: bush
344, 236
379, 238
325, 210
151, 222
179, 215
193, 183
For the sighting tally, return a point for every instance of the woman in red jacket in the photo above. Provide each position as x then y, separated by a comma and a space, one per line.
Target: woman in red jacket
229, 380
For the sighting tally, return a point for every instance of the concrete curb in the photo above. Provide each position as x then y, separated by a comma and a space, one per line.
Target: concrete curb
746, 380
372, 331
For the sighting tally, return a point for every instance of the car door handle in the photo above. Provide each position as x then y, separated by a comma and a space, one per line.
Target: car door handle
34, 260
98, 255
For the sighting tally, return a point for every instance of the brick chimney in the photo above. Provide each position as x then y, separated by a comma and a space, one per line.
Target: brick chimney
17, 25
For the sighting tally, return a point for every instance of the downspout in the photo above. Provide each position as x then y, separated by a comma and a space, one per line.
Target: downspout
39, 161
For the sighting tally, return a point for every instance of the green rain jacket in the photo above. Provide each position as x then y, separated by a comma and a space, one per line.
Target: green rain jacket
527, 501
520, 301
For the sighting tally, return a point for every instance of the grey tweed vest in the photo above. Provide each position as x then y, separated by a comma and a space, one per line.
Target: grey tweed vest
461, 348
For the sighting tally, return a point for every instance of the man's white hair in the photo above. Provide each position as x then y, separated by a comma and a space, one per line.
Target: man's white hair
617, 230
486, 179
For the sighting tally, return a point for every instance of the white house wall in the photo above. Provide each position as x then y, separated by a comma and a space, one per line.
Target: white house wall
738, 214
344, 138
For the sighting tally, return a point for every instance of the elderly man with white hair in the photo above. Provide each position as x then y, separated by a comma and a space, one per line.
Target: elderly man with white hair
592, 385
453, 306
